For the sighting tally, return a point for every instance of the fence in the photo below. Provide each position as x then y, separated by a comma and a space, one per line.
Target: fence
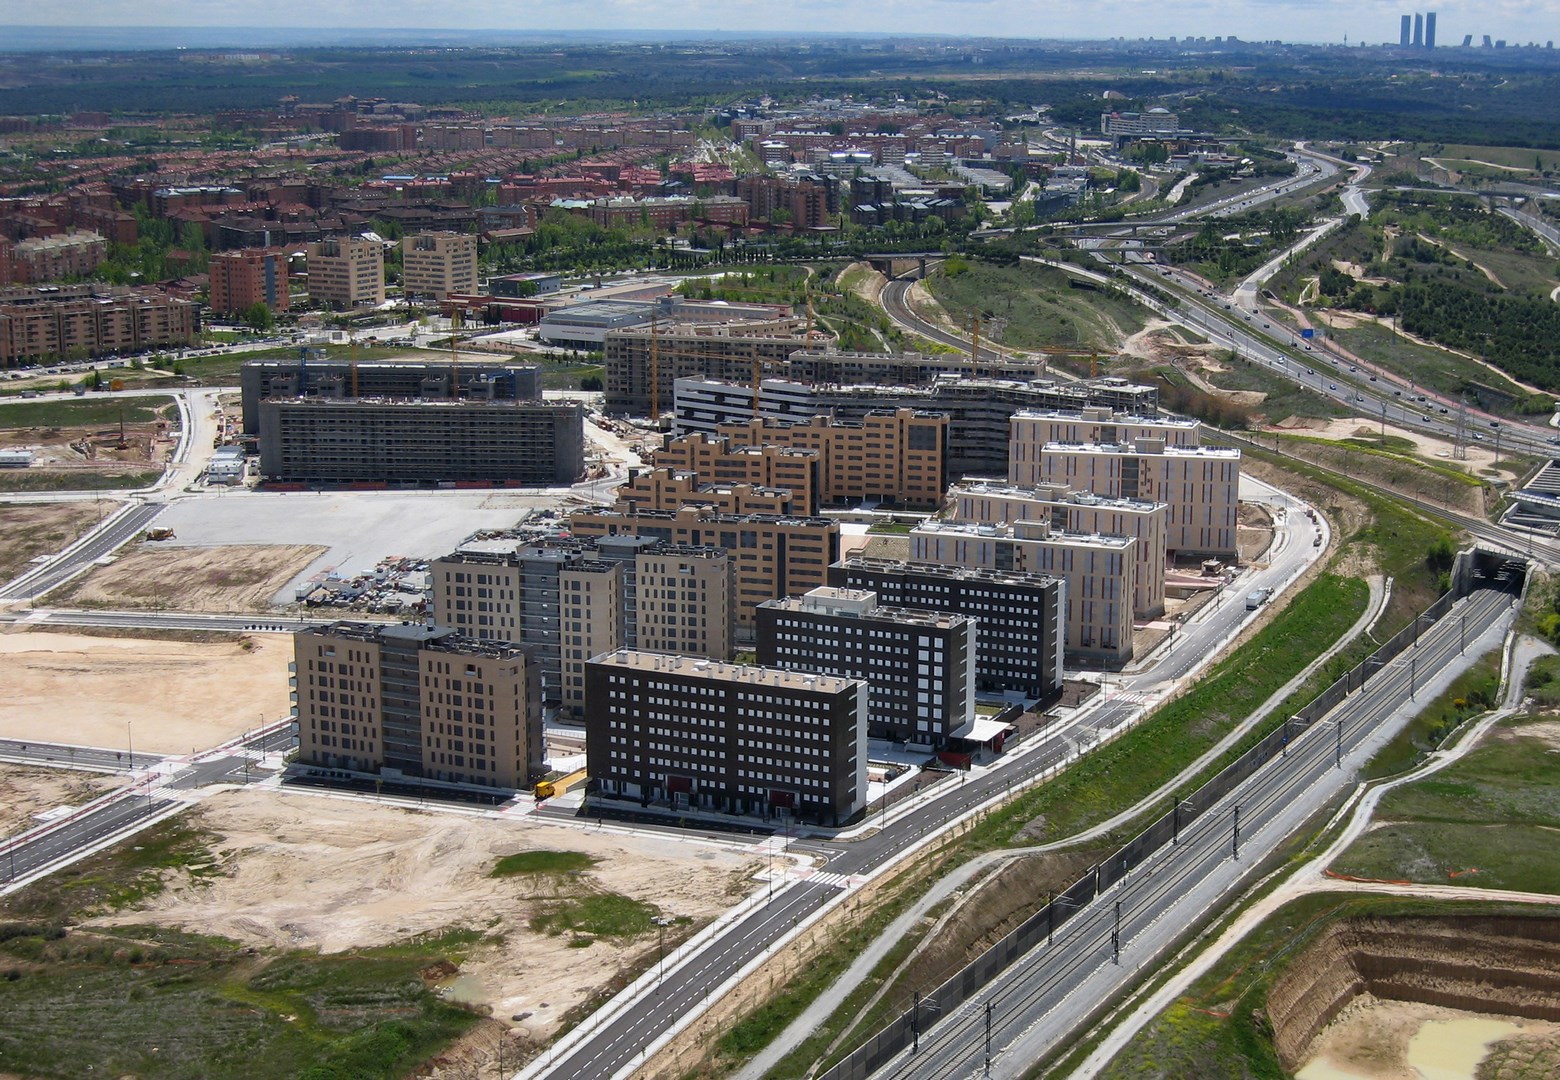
862, 1062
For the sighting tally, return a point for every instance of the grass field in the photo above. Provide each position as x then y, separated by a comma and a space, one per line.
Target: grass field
1487, 821
1473, 692
84, 412
1421, 365
1284, 398
146, 1001
543, 862
75, 480
1038, 305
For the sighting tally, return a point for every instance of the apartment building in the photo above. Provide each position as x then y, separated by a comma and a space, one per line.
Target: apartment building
572, 599
668, 489
347, 273
1097, 571
919, 665
42, 324
986, 503
412, 380
54, 258
735, 739
1200, 485
979, 410
434, 265
770, 556
889, 455
1020, 619
420, 442
241, 279
417, 701
1031, 430
718, 459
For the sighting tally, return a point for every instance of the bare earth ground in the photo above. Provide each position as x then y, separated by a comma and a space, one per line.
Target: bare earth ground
96, 448
315, 872
28, 530
1479, 457
181, 696
1370, 1038
25, 791
219, 579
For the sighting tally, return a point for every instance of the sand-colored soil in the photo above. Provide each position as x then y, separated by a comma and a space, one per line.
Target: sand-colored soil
28, 530
1370, 1039
25, 791
1480, 456
180, 696
154, 575
311, 871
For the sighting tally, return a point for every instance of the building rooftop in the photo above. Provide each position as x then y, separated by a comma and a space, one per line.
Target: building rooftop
948, 570
1152, 447
862, 604
1025, 530
1052, 493
747, 674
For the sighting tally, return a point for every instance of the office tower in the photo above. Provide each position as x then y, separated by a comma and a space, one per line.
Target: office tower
1419, 30
1403, 31
1430, 30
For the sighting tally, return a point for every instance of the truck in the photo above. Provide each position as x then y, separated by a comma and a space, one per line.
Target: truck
546, 789
160, 532
1256, 599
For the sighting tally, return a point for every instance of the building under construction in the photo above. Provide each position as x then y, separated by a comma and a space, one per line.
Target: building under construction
734, 352
395, 441
417, 380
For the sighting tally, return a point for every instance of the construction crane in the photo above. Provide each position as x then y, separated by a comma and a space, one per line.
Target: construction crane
352, 365
454, 356
655, 371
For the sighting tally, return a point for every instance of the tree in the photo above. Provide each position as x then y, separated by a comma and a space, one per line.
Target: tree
258, 317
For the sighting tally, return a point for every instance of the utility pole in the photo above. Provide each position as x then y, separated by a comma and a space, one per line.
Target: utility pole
988, 1040
1115, 937
1338, 752
1236, 833
915, 1022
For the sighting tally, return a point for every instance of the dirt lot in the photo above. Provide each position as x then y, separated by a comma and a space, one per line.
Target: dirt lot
311, 871
1371, 1038
28, 530
181, 696
232, 578
98, 447
25, 791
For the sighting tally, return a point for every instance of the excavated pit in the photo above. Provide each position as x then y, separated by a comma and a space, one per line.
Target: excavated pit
1505, 965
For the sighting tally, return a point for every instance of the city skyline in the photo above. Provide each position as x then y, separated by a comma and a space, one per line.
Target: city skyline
1319, 21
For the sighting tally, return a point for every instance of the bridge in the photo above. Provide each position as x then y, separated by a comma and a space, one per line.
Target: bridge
903, 265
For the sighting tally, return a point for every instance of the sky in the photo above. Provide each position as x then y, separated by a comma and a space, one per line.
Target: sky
1331, 21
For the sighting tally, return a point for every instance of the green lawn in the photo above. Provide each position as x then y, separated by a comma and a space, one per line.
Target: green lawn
542, 862
96, 411
1487, 821
1038, 305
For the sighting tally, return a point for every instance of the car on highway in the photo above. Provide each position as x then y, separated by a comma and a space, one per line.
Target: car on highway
1332, 386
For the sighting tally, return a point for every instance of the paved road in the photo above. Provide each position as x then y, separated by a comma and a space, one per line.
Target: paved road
95, 758
105, 540
161, 620
1042, 998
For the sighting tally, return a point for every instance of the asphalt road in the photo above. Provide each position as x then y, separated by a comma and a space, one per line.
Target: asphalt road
1045, 996
118, 532
97, 759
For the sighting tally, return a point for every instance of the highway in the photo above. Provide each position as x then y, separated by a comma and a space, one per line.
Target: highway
1043, 997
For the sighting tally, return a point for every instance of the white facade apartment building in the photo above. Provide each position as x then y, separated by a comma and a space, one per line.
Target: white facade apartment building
1097, 571
984, 503
1200, 484
1032, 429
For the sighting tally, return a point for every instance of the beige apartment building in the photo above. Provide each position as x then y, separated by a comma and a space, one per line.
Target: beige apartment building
717, 459
1084, 512
1200, 485
889, 455
665, 489
347, 273
591, 621
771, 556
684, 601
434, 265
1031, 430
420, 702
1097, 570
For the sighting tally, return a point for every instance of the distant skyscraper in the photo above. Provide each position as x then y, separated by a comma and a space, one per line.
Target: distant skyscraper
1430, 30
1404, 31
1419, 30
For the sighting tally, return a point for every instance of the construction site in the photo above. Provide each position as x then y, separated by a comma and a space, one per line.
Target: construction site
86, 443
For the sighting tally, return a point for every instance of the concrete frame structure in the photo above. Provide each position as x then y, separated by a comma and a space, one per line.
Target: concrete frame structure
1079, 512
1020, 619
723, 737
413, 380
918, 664
418, 701
421, 442
1097, 570
728, 352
